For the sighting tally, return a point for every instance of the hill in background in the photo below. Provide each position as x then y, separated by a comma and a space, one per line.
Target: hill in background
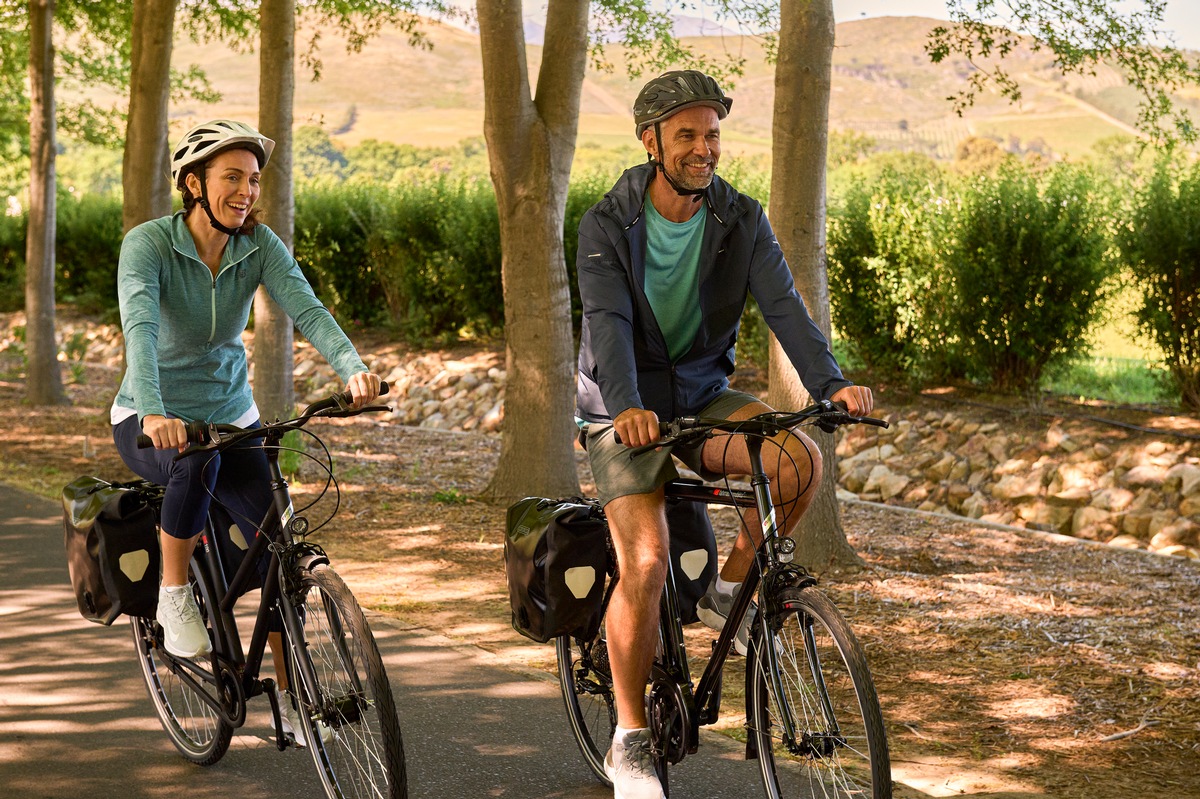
884, 86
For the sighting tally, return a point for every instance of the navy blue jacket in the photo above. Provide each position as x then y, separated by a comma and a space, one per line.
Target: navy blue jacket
623, 360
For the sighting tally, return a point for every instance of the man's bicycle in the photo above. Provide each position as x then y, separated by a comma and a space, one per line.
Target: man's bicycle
335, 672
812, 715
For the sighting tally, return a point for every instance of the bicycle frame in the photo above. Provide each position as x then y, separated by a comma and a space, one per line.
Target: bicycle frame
703, 705
228, 658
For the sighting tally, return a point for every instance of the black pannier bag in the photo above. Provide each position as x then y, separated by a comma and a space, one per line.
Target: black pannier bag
556, 559
693, 553
111, 536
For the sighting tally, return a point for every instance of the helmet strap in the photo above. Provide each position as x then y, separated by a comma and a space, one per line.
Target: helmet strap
695, 194
203, 201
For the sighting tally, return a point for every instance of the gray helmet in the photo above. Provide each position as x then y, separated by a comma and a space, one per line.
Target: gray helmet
206, 140
671, 92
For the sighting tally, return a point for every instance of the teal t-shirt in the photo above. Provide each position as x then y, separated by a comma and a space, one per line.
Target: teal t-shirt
672, 281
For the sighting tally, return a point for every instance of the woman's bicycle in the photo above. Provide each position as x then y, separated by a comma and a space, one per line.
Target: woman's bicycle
812, 715
335, 673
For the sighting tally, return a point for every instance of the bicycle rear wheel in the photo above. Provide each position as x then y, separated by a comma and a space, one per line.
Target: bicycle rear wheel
587, 692
349, 714
825, 687
195, 729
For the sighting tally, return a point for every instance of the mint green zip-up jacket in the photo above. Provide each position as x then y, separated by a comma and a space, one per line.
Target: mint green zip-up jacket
183, 327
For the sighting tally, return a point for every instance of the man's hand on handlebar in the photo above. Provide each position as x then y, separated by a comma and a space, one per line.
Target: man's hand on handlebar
858, 400
363, 389
164, 432
636, 427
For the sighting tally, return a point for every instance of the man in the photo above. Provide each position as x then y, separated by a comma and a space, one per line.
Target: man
665, 263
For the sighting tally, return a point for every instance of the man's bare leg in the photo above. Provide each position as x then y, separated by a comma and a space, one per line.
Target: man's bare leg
639, 530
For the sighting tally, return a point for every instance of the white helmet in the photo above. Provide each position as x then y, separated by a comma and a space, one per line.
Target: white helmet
204, 141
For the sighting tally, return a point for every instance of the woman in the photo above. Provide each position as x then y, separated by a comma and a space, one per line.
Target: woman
185, 284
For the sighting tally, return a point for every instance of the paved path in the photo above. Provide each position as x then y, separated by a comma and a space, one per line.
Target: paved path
75, 720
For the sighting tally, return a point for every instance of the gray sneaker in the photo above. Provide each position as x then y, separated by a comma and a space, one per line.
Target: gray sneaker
630, 766
184, 634
713, 609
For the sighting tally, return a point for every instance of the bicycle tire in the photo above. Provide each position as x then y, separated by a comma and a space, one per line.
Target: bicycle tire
587, 692
349, 715
827, 672
195, 729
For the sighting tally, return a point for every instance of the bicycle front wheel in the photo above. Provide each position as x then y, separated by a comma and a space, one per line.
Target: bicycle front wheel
587, 690
195, 729
346, 703
824, 689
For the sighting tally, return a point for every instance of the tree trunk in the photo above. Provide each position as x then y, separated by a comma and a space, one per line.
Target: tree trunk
43, 376
145, 176
273, 343
531, 143
799, 143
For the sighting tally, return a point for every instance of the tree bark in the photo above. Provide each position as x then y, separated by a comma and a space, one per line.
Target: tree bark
531, 144
44, 384
800, 139
273, 336
145, 176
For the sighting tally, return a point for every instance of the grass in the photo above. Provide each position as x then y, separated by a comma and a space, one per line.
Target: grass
1127, 381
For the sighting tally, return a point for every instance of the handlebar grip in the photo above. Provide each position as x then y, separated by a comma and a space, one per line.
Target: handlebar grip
197, 433
664, 430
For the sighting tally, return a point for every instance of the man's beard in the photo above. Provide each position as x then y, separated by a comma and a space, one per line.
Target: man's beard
685, 179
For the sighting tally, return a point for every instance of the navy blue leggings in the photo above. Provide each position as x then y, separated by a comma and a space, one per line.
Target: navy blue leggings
237, 477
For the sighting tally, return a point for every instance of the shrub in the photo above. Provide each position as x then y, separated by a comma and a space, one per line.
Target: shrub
1027, 261
883, 255
88, 248
1160, 244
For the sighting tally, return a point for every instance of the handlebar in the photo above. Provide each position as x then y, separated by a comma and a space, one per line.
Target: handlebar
204, 436
827, 415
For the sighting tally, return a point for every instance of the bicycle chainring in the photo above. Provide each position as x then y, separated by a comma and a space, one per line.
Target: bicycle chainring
671, 721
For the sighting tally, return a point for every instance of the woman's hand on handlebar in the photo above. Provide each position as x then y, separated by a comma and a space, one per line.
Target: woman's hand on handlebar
636, 427
164, 432
858, 400
363, 389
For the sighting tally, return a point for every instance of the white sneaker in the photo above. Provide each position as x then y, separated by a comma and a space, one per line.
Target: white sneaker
184, 634
290, 723
630, 765
713, 609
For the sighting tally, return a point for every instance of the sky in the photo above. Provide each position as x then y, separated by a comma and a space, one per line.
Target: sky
1182, 17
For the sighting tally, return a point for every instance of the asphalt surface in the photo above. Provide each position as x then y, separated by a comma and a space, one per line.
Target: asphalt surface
75, 720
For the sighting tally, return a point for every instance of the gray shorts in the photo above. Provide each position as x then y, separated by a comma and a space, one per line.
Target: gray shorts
617, 475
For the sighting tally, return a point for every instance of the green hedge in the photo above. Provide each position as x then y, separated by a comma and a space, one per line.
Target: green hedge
1159, 242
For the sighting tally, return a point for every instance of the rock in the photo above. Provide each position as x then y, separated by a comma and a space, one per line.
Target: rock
1073, 497
493, 419
469, 381
974, 506
1182, 531
1016, 486
1101, 451
957, 494
959, 470
1089, 517
1159, 521
1010, 467
1114, 499
1053, 518
1180, 551
1190, 506
1137, 523
1126, 542
1184, 477
843, 495
437, 421
1143, 477
940, 470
